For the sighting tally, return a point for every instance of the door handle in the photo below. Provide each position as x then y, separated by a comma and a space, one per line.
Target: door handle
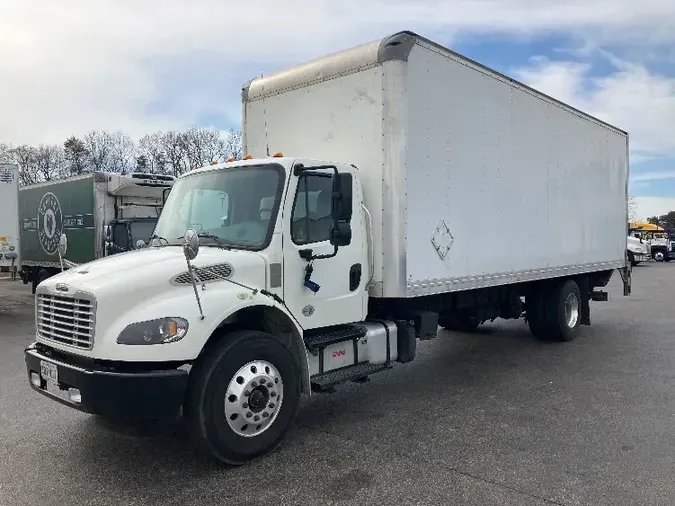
354, 277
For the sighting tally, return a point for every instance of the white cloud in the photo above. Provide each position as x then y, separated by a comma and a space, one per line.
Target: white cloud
73, 65
632, 98
647, 207
653, 176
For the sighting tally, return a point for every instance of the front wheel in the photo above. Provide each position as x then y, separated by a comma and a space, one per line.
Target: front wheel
659, 256
242, 397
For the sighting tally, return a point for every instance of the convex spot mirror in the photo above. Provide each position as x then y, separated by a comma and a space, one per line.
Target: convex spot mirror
190, 244
63, 245
341, 235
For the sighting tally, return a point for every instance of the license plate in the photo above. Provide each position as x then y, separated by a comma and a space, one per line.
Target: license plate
49, 371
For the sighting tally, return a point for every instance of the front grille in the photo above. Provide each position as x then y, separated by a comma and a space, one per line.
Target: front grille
65, 320
205, 274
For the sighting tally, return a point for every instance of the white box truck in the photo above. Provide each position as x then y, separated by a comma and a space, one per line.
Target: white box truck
339, 242
10, 253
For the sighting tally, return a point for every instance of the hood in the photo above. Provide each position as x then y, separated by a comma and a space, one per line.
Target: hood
150, 268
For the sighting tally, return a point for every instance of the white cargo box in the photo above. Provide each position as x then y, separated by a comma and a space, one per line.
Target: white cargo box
472, 178
10, 252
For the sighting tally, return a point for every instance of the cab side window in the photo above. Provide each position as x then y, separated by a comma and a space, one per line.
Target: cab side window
120, 237
311, 219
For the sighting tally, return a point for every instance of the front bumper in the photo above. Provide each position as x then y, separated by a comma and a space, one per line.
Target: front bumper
642, 257
106, 391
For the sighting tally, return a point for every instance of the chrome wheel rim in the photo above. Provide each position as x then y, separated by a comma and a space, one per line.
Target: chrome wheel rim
572, 310
253, 399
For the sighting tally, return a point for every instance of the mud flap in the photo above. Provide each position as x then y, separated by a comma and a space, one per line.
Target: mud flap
626, 277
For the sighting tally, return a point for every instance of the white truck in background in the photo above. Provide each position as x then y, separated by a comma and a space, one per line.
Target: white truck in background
275, 275
638, 250
10, 252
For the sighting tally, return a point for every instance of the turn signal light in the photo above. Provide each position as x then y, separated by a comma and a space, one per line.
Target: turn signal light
278, 155
230, 159
248, 157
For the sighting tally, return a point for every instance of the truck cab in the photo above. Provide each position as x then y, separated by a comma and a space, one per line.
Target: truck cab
265, 251
638, 250
124, 234
277, 214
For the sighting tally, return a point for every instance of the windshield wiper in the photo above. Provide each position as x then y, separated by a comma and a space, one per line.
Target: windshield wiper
215, 238
159, 238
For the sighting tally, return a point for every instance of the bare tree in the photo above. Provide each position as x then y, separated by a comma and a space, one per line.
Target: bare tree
98, 149
174, 147
152, 148
6, 153
77, 156
25, 156
232, 145
174, 152
122, 149
203, 146
50, 162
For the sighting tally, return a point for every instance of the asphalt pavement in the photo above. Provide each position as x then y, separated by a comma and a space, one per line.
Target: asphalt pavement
495, 418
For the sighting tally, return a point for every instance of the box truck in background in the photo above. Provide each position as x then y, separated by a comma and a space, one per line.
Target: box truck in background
340, 242
101, 214
10, 253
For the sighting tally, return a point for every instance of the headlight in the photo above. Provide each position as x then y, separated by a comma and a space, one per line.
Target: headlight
159, 331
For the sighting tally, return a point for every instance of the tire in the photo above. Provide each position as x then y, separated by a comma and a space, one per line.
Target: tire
659, 255
215, 396
554, 314
40, 277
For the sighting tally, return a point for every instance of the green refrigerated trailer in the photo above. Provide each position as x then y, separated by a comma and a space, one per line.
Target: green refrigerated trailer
101, 214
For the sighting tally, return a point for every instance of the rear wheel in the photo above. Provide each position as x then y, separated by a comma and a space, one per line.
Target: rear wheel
242, 397
554, 311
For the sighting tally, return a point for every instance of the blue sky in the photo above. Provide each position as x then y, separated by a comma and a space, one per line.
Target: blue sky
141, 70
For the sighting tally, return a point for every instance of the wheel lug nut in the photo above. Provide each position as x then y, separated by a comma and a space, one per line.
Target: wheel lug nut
272, 405
266, 414
273, 394
245, 405
254, 383
269, 385
247, 393
249, 414
256, 418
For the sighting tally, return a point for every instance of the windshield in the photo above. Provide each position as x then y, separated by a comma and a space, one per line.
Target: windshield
141, 230
236, 205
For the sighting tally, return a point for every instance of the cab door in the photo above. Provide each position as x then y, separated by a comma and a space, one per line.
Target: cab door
332, 290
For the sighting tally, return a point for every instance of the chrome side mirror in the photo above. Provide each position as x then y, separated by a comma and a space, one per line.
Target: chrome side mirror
63, 245
190, 244
140, 244
190, 250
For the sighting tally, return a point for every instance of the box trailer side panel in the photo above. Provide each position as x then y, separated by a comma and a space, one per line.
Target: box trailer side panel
47, 210
10, 251
515, 186
519, 186
330, 109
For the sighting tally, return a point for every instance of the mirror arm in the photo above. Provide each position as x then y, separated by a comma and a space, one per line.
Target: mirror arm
307, 254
